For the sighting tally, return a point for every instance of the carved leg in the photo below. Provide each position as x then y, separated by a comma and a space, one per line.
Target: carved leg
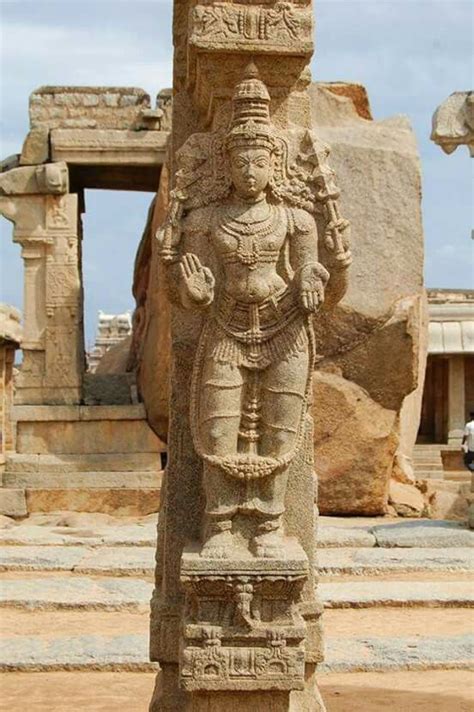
220, 408
269, 543
218, 541
221, 506
283, 403
269, 503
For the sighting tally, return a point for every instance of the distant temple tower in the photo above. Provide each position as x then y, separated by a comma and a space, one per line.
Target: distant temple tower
111, 329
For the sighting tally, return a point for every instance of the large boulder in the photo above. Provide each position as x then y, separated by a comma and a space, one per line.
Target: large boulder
375, 339
355, 442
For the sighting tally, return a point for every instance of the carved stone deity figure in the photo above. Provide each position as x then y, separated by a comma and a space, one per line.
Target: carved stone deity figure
242, 248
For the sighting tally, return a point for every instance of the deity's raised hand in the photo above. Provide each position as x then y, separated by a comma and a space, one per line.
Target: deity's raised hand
312, 280
197, 281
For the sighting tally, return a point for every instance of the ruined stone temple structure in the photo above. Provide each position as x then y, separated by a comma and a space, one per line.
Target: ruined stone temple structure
453, 122
448, 395
112, 329
82, 440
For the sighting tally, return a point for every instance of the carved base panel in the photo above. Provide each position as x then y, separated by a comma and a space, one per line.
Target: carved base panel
242, 626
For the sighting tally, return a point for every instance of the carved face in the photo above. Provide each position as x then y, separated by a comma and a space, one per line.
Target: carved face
251, 170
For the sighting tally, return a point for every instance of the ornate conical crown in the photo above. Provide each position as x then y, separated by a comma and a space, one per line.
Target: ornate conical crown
250, 124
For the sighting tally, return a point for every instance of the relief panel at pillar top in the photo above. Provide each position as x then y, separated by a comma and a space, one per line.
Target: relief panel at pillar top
281, 27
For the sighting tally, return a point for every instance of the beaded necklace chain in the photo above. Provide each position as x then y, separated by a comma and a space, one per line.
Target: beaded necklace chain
248, 234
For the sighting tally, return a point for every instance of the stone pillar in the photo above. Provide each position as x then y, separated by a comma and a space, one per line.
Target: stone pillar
10, 337
235, 615
456, 400
46, 225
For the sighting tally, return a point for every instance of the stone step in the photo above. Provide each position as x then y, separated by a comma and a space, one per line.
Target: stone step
420, 534
429, 474
21, 464
52, 592
458, 475
78, 480
129, 561
121, 501
13, 502
76, 593
66, 430
116, 532
369, 562
138, 534
130, 653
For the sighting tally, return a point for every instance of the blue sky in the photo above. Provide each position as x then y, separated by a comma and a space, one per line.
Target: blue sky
410, 54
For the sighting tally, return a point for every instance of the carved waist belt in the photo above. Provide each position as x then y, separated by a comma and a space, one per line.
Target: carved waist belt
256, 323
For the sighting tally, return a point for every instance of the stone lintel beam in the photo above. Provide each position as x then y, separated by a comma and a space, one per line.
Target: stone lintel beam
109, 147
50, 178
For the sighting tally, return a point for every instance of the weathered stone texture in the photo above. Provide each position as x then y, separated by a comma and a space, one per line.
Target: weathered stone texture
354, 445
375, 339
453, 122
87, 107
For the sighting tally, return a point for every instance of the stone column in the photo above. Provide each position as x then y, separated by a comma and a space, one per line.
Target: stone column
235, 615
46, 226
10, 337
456, 400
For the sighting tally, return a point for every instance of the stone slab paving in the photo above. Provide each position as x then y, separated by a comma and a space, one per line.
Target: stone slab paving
120, 560
80, 652
77, 592
109, 594
373, 561
122, 535
432, 534
331, 537
366, 594
40, 558
128, 560
410, 534
130, 653
407, 653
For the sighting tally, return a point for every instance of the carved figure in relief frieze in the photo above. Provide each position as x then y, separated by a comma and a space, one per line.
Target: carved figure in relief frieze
241, 197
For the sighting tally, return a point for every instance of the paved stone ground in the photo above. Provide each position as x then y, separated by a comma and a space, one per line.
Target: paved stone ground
76, 588
132, 560
427, 691
112, 594
129, 653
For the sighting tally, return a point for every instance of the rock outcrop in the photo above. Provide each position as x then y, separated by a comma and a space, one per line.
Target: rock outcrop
373, 345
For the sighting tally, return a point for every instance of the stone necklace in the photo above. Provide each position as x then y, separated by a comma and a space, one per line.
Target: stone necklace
248, 234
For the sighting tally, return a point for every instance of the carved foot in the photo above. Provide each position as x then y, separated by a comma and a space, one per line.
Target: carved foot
219, 546
269, 545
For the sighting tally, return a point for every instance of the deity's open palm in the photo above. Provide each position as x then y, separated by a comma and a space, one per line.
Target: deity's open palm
198, 281
312, 279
